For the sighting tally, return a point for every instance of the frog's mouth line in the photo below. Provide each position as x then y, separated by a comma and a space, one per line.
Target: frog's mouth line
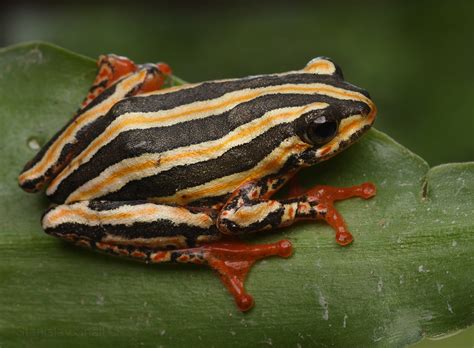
350, 130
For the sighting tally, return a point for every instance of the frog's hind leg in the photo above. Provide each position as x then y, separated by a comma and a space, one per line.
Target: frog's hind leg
144, 230
132, 223
117, 78
231, 259
111, 68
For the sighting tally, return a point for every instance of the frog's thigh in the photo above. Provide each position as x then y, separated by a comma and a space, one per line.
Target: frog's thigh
137, 224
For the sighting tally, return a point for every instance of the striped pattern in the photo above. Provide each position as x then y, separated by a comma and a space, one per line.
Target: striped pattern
201, 141
223, 184
115, 177
135, 224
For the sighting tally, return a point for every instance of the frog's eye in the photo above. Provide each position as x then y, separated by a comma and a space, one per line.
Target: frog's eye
321, 130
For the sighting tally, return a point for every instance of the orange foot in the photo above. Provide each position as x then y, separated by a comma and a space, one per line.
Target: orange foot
323, 197
231, 259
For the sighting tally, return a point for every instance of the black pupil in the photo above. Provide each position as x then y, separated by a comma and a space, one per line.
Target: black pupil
322, 132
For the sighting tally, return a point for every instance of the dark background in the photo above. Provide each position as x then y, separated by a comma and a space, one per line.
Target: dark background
414, 57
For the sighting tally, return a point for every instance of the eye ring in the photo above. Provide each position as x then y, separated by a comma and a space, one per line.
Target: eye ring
322, 130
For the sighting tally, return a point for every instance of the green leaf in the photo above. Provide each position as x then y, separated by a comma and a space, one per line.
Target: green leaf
408, 273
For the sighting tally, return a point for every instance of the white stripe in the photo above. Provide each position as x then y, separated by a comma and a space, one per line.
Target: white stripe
154, 212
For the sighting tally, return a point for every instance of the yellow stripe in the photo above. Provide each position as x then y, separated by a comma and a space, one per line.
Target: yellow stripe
198, 110
118, 175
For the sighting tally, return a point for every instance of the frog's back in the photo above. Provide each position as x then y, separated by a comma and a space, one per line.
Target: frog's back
198, 141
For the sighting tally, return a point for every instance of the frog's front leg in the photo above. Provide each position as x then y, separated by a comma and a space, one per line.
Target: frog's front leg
144, 231
248, 210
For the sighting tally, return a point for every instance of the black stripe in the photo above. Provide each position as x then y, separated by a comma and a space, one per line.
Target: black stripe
160, 228
215, 89
208, 201
134, 143
109, 205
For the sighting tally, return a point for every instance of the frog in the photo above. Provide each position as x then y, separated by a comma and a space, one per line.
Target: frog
180, 174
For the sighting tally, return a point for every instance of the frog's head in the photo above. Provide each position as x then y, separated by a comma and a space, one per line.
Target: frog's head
348, 113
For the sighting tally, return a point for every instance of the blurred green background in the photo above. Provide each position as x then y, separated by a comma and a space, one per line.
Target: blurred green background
414, 57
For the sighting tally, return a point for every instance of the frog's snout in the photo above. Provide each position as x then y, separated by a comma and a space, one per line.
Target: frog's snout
370, 116
364, 107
